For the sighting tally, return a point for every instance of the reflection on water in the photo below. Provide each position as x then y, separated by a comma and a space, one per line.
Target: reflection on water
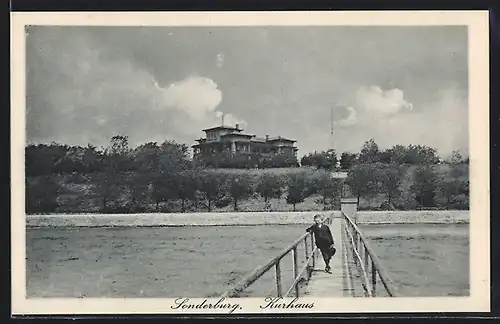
423, 260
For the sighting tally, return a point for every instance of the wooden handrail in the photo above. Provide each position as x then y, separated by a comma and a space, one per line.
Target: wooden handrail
304, 268
259, 271
376, 264
346, 268
355, 237
363, 269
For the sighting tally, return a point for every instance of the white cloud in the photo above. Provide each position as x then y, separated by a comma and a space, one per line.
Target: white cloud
374, 99
441, 124
198, 97
195, 95
93, 98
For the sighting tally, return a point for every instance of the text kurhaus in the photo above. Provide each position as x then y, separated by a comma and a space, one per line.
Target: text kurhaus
274, 302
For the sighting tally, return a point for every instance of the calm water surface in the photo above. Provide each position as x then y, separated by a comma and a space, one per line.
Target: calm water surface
424, 260
204, 261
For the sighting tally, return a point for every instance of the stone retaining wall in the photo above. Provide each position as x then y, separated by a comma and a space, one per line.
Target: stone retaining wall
232, 219
185, 219
413, 217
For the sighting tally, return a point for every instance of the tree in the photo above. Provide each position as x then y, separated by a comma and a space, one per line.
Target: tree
44, 159
269, 186
41, 194
421, 155
119, 153
138, 185
328, 187
391, 176
396, 154
361, 180
347, 160
449, 188
147, 158
213, 188
321, 160
186, 188
370, 153
424, 185
91, 158
164, 188
115, 160
239, 188
280, 160
173, 157
297, 190
455, 159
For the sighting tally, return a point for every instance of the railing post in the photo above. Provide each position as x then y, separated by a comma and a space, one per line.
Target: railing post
366, 256
359, 243
278, 279
374, 279
306, 248
295, 270
355, 234
312, 252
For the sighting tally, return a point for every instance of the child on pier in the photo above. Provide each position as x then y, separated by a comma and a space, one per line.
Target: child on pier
324, 240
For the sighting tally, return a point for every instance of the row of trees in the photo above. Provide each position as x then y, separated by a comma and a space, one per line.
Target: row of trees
157, 173
62, 159
426, 183
59, 159
371, 153
200, 189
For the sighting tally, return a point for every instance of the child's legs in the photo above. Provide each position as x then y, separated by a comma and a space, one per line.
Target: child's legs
326, 255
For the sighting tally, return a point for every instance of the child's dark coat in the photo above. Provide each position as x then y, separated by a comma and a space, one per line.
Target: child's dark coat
324, 240
322, 235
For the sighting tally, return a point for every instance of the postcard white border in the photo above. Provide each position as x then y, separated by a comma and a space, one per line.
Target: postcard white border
477, 22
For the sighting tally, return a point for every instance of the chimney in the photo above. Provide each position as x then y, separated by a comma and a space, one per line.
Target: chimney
237, 126
267, 137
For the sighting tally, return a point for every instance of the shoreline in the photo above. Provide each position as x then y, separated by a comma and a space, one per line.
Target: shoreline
238, 219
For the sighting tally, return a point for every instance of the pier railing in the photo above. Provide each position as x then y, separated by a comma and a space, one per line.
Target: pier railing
371, 269
298, 273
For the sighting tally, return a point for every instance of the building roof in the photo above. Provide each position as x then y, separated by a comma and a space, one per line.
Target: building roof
237, 134
279, 138
223, 127
259, 139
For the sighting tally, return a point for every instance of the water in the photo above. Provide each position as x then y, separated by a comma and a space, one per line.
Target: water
424, 260
205, 261
153, 262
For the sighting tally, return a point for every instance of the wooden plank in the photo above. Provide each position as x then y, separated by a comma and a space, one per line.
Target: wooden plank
326, 284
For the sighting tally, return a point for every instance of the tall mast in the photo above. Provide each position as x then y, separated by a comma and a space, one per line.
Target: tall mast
332, 137
222, 119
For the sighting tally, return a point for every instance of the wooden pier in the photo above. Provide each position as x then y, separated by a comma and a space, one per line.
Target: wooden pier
325, 284
356, 270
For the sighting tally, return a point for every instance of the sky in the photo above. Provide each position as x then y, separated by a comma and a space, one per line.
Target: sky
397, 85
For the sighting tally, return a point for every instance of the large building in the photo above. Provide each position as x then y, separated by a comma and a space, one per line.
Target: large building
233, 139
